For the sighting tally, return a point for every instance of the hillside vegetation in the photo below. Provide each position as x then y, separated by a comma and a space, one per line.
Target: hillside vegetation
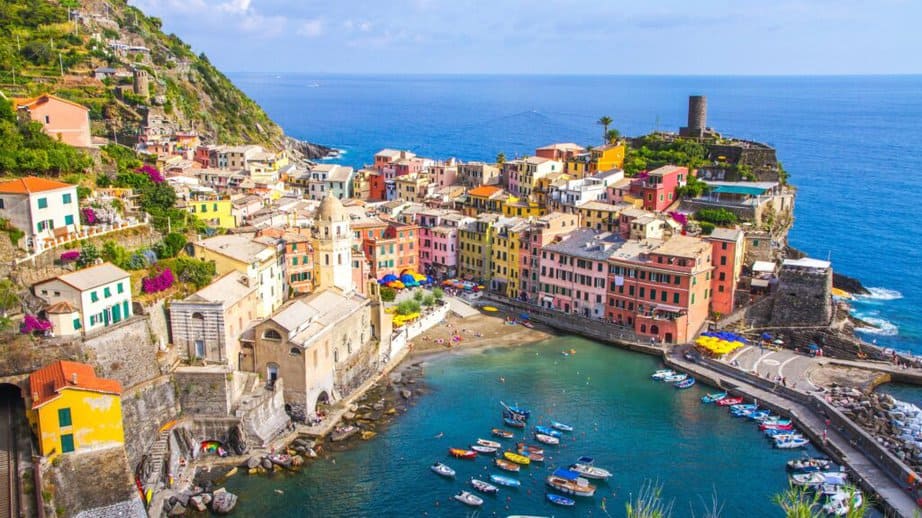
55, 46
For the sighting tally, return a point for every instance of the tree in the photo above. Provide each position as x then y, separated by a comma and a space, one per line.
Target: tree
429, 300
501, 158
612, 136
604, 121
417, 295
88, 255
9, 296
438, 293
388, 294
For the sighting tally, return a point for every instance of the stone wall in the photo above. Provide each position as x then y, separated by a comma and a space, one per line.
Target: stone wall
803, 298
124, 352
94, 484
145, 408
204, 391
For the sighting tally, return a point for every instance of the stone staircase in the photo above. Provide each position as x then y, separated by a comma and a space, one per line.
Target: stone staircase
158, 453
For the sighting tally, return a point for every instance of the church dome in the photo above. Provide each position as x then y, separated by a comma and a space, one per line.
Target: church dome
331, 209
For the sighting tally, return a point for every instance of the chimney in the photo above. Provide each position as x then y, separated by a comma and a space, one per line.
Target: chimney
73, 378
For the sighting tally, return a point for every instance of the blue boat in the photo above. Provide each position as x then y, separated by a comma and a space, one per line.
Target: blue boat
759, 415
545, 430
514, 423
713, 398
505, 481
585, 460
561, 426
560, 500
517, 411
686, 383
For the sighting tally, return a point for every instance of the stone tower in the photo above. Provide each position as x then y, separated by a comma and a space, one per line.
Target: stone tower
333, 248
141, 83
697, 117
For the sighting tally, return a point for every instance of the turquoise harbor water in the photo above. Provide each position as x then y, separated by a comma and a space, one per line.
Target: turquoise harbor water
639, 429
851, 145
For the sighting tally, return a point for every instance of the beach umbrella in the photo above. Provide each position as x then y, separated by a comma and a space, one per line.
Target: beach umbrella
766, 336
448, 282
408, 280
389, 278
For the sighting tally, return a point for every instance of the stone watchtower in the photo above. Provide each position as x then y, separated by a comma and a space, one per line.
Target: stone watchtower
697, 117
141, 84
804, 294
333, 247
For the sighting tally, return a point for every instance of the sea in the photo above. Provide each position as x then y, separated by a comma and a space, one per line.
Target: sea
850, 144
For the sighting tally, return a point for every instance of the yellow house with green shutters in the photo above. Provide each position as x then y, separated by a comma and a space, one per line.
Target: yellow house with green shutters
73, 411
213, 212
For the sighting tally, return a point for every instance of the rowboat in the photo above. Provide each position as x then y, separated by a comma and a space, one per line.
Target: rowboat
514, 423
507, 465
548, 431
590, 471
484, 487
442, 469
713, 398
527, 324
740, 407
560, 500
535, 457
662, 373
780, 425
529, 448
518, 459
468, 498
505, 481
727, 401
791, 443
786, 436
490, 444
546, 439
461, 453
561, 426
686, 383
570, 482
483, 449
505, 434
808, 464
760, 415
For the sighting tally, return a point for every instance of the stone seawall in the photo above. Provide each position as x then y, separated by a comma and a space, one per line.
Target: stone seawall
145, 408
125, 352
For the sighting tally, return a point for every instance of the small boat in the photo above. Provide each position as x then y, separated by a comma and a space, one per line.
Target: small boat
529, 448
808, 464
484, 487
792, 443
760, 415
546, 439
585, 460
528, 324
728, 401
483, 449
771, 433
560, 500
280, 459
548, 431
776, 426
468, 498
442, 469
514, 423
675, 377
505, 481
751, 407
591, 471
786, 436
686, 383
461, 453
840, 503
505, 434
535, 457
518, 459
564, 353
491, 444
507, 465
570, 482
713, 398
776, 420
517, 410
662, 373
808, 479
561, 426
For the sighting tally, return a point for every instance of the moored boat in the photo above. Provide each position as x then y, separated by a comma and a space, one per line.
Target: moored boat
561, 426
560, 500
514, 423
713, 398
591, 471
529, 448
843, 501
490, 444
518, 459
662, 373
535, 457
569, 482
808, 464
517, 410
776, 426
505, 481
546, 439
792, 443
461, 453
483, 449
442, 469
728, 401
507, 465
505, 434
548, 431
686, 383
343, 432
484, 487
468, 498
680, 376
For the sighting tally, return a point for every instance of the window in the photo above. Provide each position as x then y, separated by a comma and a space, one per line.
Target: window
47, 119
43, 204
271, 334
723, 246
67, 443
722, 276
675, 298
107, 292
692, 298
66, 198
1, 204
77, 324
64, 417
119, 288
69, 219
296, 351
94, 297
214, 207
294, 261
723, 260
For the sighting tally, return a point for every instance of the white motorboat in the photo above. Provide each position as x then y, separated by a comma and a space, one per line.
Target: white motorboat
489, 444
483, 449
591, 471
546, 439
673, 378
662, 373
840, 503
484, 487
468, 498
442, 470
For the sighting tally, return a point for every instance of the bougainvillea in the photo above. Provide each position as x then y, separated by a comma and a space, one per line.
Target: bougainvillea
32, 323
70, 256
89, 215
158, 282
151, 172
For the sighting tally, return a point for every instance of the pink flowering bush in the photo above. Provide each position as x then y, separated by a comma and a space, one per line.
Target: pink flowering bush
159, 282
70, 256
89, 215
32, 323
151, 172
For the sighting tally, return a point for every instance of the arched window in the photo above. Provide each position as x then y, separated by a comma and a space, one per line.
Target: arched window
271, 334
295, 351
198, 316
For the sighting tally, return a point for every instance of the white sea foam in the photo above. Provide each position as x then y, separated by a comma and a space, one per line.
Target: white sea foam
880, 294
880, 327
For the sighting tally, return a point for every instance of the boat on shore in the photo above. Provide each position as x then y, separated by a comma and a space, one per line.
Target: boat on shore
484, 487
507, 465
461, 453
548, 431
515, 457
560, 500
713, 398
684, 384
569, 482
561, 426
468, 498
442, 470
343, 432
498, 432
483, 449
547, 439
589, 471
505, 481
729, 401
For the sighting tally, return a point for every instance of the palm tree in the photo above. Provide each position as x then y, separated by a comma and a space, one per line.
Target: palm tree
612, 136
604, 121
501, 158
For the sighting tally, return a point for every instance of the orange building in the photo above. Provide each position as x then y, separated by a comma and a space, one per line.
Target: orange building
61, 119
389, 246
727, 256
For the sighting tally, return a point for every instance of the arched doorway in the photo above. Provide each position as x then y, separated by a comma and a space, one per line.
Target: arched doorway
654, 330
14, 440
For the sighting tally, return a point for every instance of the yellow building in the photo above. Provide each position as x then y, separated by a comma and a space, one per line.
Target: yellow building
485, 198
258, 261
602, 217
523, 208
506, 237
73, 410
602, 158
213, 212
474, 247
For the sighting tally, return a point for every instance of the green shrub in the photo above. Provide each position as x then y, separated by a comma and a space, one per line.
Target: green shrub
407, 307
720, 217
388, 294
438, 293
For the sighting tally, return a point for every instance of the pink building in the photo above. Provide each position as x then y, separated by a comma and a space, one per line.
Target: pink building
444, 174
438, 242
574, 272
657, 187
540, 233
61, 119
561, 152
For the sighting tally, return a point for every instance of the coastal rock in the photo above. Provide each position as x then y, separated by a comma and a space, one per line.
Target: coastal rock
197, 503
297, 461
349, 415
237, 440
405, 394
253, 462
177, 510
849, 284
266, 464
206, 498
223, 502
308, 150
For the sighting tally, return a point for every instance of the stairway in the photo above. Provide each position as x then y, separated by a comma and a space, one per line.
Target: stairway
158, 454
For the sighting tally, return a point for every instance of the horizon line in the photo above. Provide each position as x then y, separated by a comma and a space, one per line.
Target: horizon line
577, 74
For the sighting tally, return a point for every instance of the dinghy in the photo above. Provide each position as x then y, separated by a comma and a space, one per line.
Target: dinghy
442, 470
505, 481
468, 498
546, 439
484, 487
591, 471
560, 500
713, 398
561, 426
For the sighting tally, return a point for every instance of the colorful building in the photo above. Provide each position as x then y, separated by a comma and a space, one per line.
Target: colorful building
539, 233
727, 256
438, 241
521, 175
390, 247
485, 198
101, 296
601, 217
472, 174
259, 262
561, 152
73, 411
504, 261
474, 247
602, 158
62, 120
299, 260
574, 272
214, 211
42, 209
657, 187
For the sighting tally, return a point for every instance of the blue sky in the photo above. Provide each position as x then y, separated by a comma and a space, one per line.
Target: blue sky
758, 37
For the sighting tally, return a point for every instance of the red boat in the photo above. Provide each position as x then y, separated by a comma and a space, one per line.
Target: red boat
529, 448
505, 434
727, 401
775, 426
462, 453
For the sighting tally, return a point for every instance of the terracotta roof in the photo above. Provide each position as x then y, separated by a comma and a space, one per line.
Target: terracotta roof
484, 191
47, 383
30, 184
60, 308
42, 99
